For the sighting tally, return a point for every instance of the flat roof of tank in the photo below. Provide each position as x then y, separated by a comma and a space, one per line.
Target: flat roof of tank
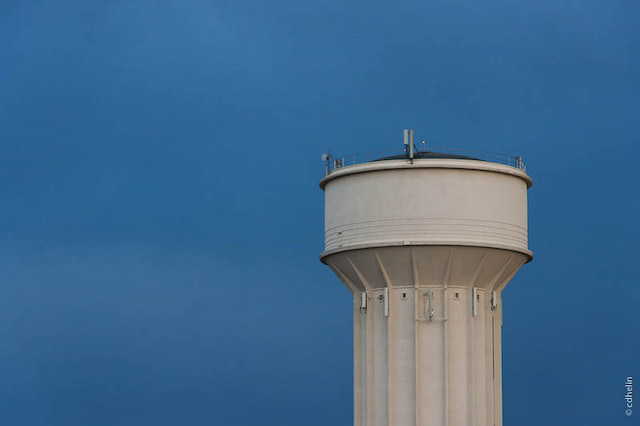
428, 154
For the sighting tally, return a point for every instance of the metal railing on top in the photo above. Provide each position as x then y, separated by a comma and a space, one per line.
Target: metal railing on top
334, 163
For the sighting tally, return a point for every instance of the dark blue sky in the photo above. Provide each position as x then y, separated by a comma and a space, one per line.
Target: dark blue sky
161, 223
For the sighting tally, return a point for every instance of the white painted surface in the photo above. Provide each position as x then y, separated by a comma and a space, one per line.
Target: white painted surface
452, 229
426, 203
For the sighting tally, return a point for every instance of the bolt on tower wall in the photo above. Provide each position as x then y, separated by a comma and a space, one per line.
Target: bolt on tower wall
426, 246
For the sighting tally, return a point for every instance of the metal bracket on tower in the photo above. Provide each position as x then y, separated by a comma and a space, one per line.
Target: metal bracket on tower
386, 301
427, 300
363, 302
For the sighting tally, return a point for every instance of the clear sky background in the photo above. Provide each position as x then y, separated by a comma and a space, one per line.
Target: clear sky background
160, 222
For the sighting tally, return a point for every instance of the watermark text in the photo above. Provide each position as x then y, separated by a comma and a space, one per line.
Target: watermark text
628, 397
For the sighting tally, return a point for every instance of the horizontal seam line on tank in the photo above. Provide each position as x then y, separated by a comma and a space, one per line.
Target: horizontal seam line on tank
381, 244
412, 236
428, 239
514, 243
394, 243
337, 243
522, 231
438, 227
423, 233
413, 220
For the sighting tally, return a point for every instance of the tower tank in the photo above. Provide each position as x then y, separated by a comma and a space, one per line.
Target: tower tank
426, 242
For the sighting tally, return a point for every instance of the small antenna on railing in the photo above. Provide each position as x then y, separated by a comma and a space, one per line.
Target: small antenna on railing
327, 157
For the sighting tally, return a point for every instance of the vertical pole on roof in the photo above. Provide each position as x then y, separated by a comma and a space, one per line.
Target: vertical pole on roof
411, 145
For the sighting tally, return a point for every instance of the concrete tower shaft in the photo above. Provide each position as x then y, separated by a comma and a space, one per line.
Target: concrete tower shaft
426, 247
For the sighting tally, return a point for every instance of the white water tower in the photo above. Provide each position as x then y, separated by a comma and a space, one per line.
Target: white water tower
426, 242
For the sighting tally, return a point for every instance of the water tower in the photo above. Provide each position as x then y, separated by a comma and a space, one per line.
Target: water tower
426, 241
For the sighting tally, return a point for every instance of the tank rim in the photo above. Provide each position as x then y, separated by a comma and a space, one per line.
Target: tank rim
430, 163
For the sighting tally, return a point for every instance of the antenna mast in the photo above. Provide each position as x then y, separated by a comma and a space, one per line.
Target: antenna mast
408, 143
